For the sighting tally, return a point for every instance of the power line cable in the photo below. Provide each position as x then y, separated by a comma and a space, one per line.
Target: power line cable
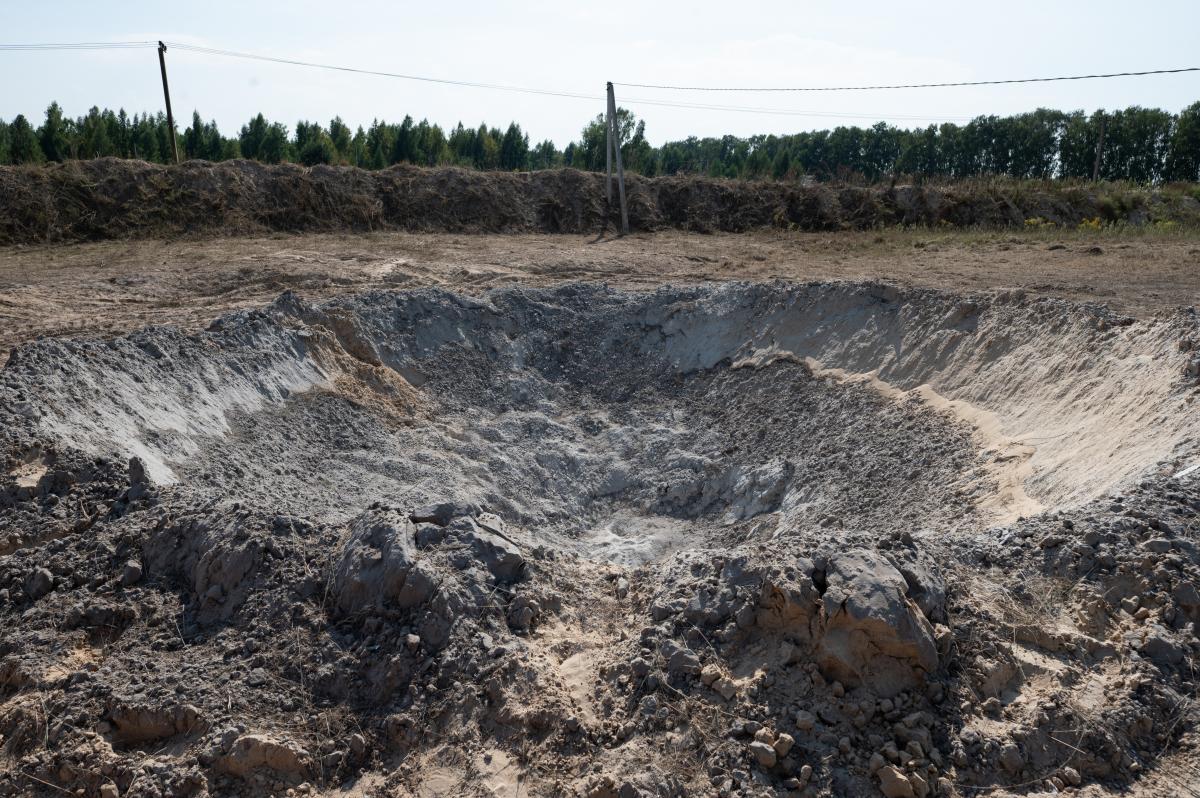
594, 97
911, 85
474, 84
552, 92
791, 112
77, 46
235, 54
445, 81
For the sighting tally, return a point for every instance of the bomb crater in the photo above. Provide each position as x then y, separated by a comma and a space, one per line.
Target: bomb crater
900, 540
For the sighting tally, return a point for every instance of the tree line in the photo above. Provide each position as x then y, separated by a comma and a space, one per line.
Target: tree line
1143, 145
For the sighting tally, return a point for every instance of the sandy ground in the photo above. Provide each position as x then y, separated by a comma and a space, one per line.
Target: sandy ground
111, 287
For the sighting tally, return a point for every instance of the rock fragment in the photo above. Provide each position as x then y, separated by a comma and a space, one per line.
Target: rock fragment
1011, 758
684, 662
894, 784
378, 566
252, 752
763, 753
39, 583
725, 687
131, 574
783, 744
873, 632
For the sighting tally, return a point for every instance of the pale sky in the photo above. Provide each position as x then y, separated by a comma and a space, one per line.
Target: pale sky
576, 47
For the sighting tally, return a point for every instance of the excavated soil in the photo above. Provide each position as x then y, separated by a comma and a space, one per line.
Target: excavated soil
115, 198
737, 539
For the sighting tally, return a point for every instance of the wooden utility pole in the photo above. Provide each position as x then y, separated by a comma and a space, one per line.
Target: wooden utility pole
608, 122
614, 137
162, 65
1099, 150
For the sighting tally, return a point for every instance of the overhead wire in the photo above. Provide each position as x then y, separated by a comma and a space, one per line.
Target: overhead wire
357, 70
787, 111
78, 46
552, 92
667, 103
912, 85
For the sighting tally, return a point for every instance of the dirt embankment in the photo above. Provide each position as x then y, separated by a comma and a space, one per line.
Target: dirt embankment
113, 198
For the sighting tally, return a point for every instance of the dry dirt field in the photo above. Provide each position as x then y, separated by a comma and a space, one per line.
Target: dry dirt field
112, 287
904, 513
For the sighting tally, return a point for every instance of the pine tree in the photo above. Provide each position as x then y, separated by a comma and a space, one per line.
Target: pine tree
275, 144
544, 156
123, 134
514, 148
5, 142
23, 144
93, 135
55, 135
358, 148
252, 137
378, 145
339, 136
193, 138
